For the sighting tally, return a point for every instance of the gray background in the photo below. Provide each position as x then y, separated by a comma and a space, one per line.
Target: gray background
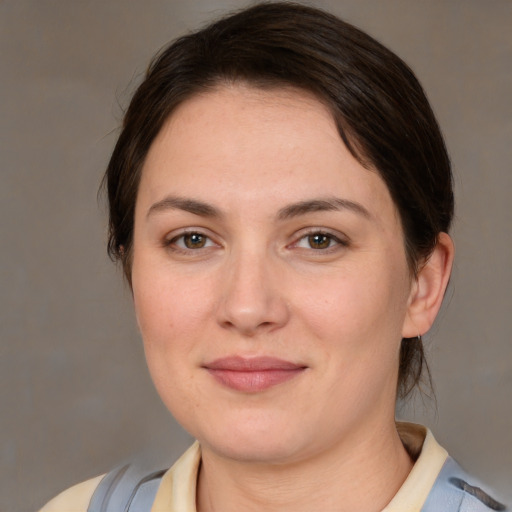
75, 397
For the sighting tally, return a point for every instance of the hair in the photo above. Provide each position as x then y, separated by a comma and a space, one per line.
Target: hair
380, 109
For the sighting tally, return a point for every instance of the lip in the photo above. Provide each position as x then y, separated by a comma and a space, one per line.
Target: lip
252, 375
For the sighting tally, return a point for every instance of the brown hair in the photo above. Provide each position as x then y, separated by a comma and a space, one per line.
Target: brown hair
381, 111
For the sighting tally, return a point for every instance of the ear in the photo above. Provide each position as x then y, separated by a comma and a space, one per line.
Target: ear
428, 289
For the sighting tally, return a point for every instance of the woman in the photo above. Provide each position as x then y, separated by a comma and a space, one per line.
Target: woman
280, 198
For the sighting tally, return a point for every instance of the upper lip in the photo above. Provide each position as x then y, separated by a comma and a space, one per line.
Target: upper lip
251, 364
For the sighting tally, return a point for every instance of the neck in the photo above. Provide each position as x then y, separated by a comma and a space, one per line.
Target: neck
358, 474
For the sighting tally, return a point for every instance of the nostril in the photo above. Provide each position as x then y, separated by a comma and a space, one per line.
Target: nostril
247, 328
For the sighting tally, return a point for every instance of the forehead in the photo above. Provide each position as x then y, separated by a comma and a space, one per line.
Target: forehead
256, 143
249, 112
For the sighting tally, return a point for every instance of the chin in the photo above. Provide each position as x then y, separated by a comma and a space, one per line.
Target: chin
256, 441
257, 451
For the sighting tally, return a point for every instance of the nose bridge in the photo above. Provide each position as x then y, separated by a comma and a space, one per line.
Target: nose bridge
252, 300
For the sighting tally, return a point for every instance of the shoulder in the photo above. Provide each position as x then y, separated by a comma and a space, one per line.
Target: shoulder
436, 482
129, 487
133, 487
454, 487
74, 499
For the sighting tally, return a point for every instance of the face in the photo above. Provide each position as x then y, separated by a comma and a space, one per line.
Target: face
269, 277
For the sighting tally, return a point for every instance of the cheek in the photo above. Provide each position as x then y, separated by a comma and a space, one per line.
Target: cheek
167, 304
168, 314
174, 313
358, 324
357, 318
357, 303
151, 301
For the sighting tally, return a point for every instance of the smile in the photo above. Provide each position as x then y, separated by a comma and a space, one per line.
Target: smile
251, 375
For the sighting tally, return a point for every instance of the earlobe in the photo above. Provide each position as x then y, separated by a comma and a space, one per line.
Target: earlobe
428, 291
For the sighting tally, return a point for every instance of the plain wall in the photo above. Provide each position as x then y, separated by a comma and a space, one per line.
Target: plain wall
75, 396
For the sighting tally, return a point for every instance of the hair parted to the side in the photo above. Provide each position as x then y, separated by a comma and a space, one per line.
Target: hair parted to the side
381, 111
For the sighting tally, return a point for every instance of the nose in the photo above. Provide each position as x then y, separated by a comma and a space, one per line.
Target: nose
252, 299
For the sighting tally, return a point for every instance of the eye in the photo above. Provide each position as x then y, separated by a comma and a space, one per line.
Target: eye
192, 240
319, 240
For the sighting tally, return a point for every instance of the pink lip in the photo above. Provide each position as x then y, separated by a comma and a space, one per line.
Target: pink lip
251, 375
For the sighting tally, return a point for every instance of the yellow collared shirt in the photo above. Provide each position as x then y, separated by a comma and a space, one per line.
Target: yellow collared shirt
177, 491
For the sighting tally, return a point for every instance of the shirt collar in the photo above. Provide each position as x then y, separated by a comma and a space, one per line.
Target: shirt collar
177, 491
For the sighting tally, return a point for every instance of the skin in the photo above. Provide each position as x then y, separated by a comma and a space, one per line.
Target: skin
251, 283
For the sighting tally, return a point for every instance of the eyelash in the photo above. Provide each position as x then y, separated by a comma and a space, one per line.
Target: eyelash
171, 243
333, 241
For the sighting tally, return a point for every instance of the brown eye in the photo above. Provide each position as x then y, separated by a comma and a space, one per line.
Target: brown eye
190, 243
194, 240
319, 241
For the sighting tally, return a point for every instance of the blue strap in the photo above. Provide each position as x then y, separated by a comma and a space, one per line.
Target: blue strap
126, 489
452, 493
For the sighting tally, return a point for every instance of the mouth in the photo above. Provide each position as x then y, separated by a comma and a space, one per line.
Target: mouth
252, 375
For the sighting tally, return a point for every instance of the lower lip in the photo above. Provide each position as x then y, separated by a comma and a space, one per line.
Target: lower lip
254, 381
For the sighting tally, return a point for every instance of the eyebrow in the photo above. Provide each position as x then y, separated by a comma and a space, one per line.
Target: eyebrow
322, 205
189, 205
203, 209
